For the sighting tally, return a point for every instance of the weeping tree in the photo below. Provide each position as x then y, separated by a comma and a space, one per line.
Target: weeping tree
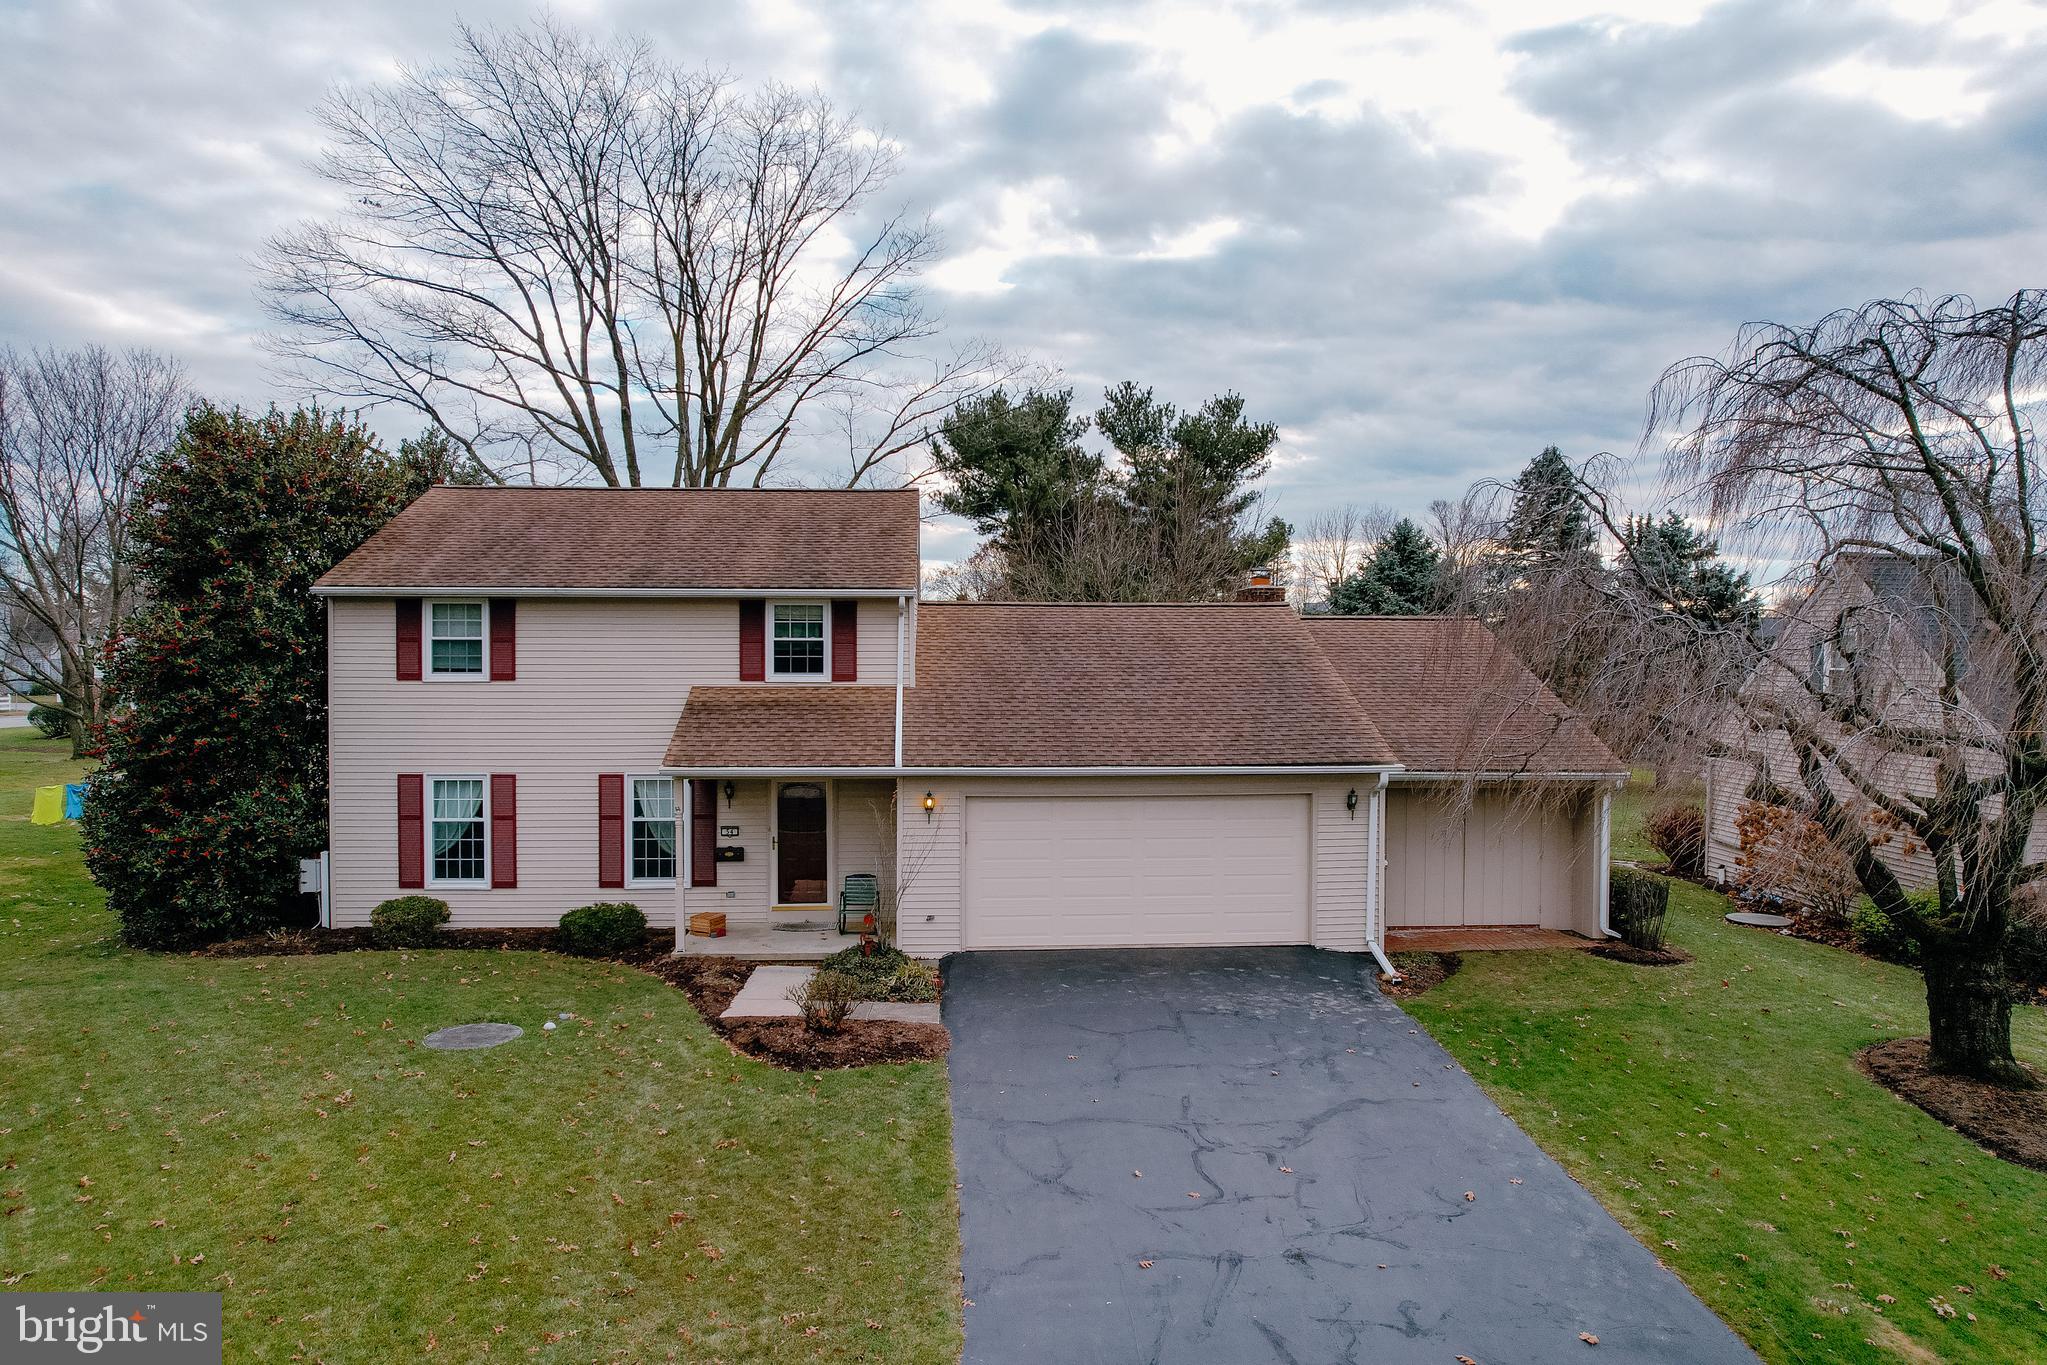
568, 253
1883, 462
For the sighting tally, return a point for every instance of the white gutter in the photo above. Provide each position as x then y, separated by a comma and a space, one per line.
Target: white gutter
817, 770
902, 619
1408, 775
513, 590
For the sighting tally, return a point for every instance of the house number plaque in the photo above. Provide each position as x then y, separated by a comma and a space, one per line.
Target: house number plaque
728, 831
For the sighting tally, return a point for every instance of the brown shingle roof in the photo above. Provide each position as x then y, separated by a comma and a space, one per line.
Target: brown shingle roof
1061, 686
1451, 698
785, 726
649, 538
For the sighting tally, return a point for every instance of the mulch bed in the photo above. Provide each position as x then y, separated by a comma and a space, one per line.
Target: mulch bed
1666, 956
1419, 973
2010, 1123
709, 982
712, 982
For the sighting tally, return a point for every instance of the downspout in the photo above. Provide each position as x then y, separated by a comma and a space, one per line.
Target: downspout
902, 619
1602, 871
1375, 865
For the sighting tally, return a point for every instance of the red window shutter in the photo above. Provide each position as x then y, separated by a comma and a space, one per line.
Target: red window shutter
411, 828
611, 829
703, 832
504, 639
845, 642
504, 829
408, 639
753, 641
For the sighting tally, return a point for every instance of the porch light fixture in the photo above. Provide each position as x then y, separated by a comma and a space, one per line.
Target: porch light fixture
728, 791
1350, 802
930, 805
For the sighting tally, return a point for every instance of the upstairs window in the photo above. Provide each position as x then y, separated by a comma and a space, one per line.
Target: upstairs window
653, 832
456, 840
455, 639
796, 639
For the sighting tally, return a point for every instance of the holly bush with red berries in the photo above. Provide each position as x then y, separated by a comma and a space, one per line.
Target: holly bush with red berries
213, 776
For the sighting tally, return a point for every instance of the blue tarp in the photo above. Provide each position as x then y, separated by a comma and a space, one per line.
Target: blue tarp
74, 800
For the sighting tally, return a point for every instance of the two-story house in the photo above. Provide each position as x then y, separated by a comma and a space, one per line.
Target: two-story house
1878, 652
733, 699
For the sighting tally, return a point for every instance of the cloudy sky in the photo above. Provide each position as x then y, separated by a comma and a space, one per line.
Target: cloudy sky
1425, 238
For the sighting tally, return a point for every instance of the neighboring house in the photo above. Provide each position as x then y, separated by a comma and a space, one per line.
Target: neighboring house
1872, 644
729, 700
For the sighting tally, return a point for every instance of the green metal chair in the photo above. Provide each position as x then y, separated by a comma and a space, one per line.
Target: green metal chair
859, 898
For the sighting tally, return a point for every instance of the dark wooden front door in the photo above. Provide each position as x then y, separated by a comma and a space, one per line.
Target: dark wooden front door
800, 875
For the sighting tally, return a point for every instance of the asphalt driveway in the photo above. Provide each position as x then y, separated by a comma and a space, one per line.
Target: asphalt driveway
1248, 1155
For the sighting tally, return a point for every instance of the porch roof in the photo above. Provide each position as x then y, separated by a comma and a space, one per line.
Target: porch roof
786, 727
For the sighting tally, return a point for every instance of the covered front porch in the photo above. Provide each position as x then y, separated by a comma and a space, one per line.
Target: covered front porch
773, 855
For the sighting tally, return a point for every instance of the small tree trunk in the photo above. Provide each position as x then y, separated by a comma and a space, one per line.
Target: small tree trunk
1968, 1004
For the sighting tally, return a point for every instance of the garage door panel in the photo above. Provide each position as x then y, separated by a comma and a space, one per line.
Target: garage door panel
1136, 871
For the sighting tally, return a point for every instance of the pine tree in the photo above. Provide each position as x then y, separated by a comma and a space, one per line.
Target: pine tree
1402, 578
1547, 524
214, 778
1683, 569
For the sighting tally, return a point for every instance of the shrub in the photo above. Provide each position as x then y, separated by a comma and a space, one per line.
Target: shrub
1677, 830
826, 1000
2025, 945
408, 922
606, 929
53, 723
1882, 935
885, 974
1787, 857
1638, 905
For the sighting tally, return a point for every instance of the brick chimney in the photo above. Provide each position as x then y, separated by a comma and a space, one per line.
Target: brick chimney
1260, 588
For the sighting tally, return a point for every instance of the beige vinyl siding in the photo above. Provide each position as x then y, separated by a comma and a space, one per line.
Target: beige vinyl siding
742, 890
600, 684
932, 853
1506, 858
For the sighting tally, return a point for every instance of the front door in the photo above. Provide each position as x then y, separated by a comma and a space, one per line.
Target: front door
800, 875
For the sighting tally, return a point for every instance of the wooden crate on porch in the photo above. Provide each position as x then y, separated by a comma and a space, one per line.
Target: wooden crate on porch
708, 924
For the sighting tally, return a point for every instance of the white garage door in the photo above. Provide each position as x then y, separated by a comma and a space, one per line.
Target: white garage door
1150, 871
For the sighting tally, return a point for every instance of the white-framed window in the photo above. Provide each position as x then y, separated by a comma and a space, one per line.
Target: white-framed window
457, 832
457, 639
651, 832
798, 640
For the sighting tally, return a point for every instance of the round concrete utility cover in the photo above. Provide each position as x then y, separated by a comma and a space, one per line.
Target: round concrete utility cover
1760, 920
464, 1037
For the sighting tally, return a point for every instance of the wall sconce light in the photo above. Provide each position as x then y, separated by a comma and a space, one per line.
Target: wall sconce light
728, 791
1350, 802
930, 805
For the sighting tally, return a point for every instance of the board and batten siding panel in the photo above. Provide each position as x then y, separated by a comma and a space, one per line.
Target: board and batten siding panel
933, 855
599, 686
1506, 859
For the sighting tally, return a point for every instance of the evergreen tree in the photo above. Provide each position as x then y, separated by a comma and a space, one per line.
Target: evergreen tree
1547, 524
1683, 569
214, 779
1402, 578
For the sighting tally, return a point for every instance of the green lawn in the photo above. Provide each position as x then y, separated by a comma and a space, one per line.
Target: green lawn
622, 1188
1716, 1109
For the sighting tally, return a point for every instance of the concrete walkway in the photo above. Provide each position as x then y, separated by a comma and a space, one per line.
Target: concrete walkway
766, 996
1232, 1156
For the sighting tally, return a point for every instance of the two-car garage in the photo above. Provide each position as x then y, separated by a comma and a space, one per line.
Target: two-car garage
1136, 871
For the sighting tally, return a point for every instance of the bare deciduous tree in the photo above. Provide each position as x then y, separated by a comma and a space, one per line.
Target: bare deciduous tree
1334, 544
75, 427
1883, 464
569, 252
